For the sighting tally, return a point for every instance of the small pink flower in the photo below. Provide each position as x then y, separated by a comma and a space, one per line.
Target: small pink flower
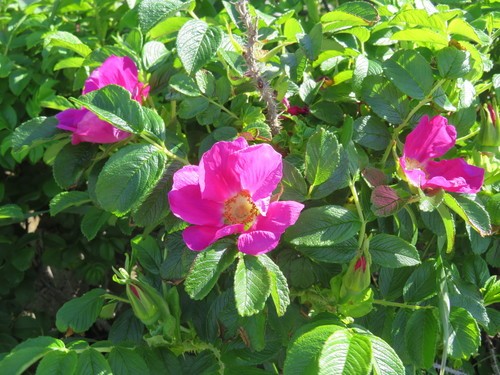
230, 192
432, 138
85, 125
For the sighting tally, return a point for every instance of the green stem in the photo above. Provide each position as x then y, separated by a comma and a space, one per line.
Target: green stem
115, 298
362, 230
470, 135
211, 101
165, 150
405, 122
401, 305
444, 307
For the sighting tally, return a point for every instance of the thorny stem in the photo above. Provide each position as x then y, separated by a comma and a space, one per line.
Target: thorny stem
405, 122
265, 89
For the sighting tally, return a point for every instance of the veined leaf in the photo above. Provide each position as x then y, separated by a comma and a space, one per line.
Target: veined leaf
393, 252
197, 44
252, 285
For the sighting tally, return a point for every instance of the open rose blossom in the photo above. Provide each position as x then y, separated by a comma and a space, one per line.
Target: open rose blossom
432, 138
85, 125
230, 192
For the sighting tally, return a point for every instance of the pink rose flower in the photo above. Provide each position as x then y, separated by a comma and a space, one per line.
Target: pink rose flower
85, 125
430, 139
230, 192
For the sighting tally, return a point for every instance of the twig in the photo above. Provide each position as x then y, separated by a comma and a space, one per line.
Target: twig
448, 370
265, 89
491, 349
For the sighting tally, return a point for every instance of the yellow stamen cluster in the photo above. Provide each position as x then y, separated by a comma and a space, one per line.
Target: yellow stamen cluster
240, 209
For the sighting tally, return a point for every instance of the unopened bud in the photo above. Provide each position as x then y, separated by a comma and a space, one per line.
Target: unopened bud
489, 134
143, 304
357, 277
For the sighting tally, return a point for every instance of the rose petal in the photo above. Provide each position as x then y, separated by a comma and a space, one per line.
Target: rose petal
430, 139
260, 170
198, 238
218, 180
257, 242
116, 70
87, 127
279, 217
187, 203
454, 175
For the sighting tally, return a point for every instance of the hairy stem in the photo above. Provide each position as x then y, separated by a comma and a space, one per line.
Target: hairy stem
401, 305
262, 85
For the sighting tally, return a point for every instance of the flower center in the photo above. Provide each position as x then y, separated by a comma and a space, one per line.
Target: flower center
413, 164
240, 209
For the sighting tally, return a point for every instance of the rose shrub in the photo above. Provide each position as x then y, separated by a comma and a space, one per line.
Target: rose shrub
295, 187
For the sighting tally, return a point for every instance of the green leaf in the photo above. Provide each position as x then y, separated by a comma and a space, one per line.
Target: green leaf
71, 162
27, 353
423, 35
345, 353
155, 207
207, 268
491, 291
279, 286
323, 226
6, 66
339, 253
308, 89
80, 313
91, 362
197, 44
252, 285
126, 361
311, 43
419, 17
294, 185
472, 212
18, 80
67, 199
128, 177
393, 252
184, 84
57, 363
468, 297
11, 213
303, 354
92, 222
410, 72
465, 335
322, 157
372, 133
114, 104
152, 12
421, 284
421, 335
190, 107
329, 112
34, 132
67, 40
148, 253
385, 99
453, 63
385, 361
152, 54
458, 26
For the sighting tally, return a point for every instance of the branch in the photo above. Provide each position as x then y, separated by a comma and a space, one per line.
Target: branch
265, 89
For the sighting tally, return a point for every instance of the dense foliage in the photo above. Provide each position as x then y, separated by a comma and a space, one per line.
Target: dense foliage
336, 163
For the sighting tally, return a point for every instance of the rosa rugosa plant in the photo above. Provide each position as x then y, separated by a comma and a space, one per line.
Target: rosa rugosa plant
301, 149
